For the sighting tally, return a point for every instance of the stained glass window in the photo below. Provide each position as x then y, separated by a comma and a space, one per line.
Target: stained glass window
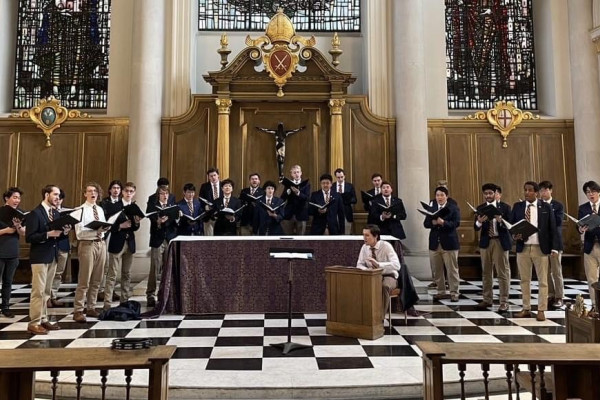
253, 15
490, 53
62, 50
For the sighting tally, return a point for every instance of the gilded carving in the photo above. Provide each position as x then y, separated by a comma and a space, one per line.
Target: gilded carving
504, 117
280, 48
223, 106
48, 115
336, 106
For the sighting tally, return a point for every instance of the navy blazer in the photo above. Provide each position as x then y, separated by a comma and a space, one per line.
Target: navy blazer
348, 198
333, 219
247, 217
224, 227
167, 231
445, 234
263, 223
43, 250
391, 226
188, 227
206, 191
590, 236
503, 234
559, 215
118, 237
296, 205
547, 232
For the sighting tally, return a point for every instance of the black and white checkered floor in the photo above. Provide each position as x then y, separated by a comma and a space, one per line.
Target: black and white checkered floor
234, 349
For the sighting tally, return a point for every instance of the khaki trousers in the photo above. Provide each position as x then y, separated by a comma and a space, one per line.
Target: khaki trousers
347, 228
158, 256
556, 286
92, 257
530, 257
389, 283
246, 230
591, 262
293, 226
42, 276
448, 258
209, 228
61, 264
495, 256
118, 262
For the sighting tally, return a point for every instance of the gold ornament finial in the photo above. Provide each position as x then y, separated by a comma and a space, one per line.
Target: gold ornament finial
335, 51
224, 50
504, 117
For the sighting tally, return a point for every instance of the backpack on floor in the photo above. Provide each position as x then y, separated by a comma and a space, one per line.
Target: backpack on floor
130, 310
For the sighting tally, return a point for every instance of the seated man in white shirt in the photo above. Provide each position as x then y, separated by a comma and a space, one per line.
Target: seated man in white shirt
376, 253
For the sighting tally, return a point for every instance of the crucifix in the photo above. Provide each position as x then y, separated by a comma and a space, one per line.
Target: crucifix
280, 135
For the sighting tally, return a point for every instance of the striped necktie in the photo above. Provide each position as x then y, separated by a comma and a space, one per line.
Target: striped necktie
528, 213
595, 209
373, 253
191, 207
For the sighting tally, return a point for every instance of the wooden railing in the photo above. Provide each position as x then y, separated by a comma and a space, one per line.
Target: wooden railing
564, 371
18, 368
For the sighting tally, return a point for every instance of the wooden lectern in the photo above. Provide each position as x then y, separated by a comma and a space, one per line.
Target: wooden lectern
354, 302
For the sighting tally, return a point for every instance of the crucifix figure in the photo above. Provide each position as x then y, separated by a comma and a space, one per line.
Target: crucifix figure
280, 136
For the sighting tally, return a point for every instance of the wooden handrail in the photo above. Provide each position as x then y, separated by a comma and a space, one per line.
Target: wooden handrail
571, 362
18, 367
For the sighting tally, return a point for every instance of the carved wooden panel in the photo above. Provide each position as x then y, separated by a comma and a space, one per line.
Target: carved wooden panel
6, 152
468, 154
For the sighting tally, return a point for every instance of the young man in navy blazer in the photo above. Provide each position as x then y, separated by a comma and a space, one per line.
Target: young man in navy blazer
192, 207
494, 244
556, 287
591, 238
346, 190
210, 191
43, 256
295, 213
376, 180
388, 219
330, 218
267, 222
444, 245
253, 190
533, 251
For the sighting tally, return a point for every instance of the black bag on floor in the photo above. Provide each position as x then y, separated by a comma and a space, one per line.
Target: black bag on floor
130, 310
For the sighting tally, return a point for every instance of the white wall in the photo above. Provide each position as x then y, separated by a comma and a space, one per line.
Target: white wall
435, 58
119, 67
8, 39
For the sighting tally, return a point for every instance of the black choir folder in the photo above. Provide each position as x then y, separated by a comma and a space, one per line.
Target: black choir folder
248, 198
7, 214
592, 221
288, 183
522, 227
270, 208
95, 225
428, 211
366, 197
489, 210
72, 218
229, 212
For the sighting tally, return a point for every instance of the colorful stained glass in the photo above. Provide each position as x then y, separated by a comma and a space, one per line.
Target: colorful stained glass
490, 54
62, 50
253, 15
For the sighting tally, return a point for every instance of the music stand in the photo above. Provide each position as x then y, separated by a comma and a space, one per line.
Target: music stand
290, 254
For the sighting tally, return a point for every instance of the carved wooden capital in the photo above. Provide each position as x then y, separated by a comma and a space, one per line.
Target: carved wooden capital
336, 106
223, 106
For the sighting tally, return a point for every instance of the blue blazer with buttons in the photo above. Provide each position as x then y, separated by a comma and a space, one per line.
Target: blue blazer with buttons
590, 236
444, 235
503, 234
547, 232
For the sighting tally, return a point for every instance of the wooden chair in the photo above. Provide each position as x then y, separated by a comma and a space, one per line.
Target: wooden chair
395, 293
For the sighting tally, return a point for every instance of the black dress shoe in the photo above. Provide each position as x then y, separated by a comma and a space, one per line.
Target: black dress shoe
151, 302
116, 297
7, 313
100, 296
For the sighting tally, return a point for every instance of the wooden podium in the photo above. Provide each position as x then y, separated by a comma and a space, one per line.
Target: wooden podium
354, 302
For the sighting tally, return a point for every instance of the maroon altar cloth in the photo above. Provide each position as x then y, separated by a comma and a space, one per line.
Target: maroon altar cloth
235, 274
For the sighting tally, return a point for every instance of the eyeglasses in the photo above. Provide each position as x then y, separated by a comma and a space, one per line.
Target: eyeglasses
129, 191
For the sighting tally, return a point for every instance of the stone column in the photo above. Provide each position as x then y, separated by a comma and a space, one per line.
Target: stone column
223, 107
379, 62
147, 72
177, 49
8, 38
336, 153
411, 127
585, 86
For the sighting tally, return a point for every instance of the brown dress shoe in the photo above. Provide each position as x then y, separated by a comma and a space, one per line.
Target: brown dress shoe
37, 330
90, 312
522, 314
100, 296
79, 317
483, 306
53, 303
540, 316
50, 327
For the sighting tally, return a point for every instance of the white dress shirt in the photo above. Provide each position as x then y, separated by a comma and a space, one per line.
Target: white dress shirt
384, 254
533, 239
84, 233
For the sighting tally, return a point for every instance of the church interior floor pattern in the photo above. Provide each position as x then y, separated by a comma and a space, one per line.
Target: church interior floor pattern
220, 351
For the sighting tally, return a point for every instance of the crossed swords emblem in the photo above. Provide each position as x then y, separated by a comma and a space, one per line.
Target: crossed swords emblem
280, 64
